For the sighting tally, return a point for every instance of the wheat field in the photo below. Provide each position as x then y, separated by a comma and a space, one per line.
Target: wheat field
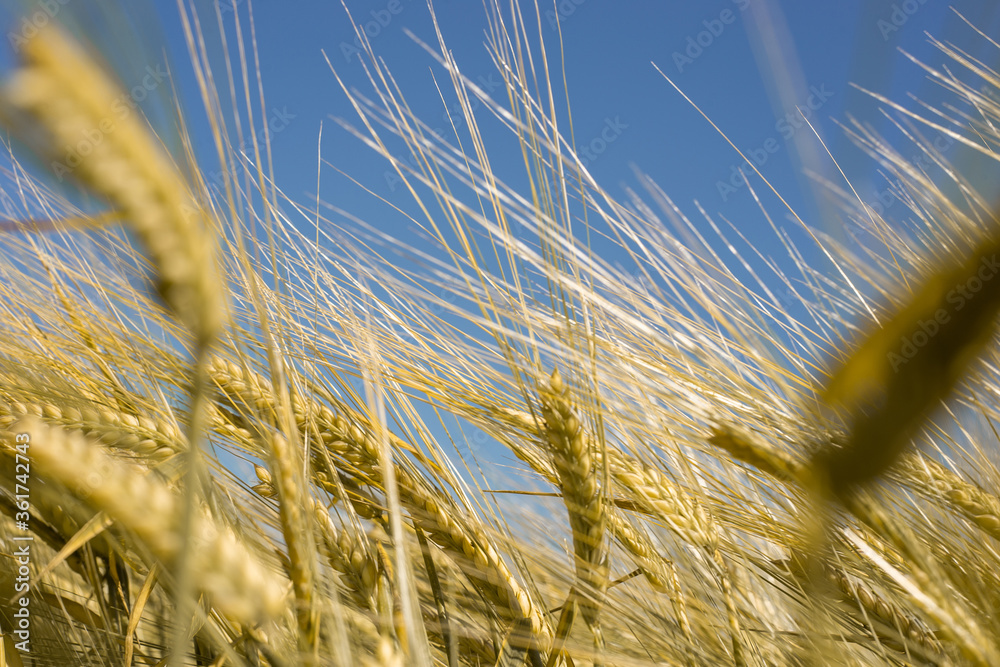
557, 465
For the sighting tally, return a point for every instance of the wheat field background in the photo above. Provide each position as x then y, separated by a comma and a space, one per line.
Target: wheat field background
501, 448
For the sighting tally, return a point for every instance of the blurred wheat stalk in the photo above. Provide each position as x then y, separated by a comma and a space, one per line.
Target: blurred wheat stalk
696, 482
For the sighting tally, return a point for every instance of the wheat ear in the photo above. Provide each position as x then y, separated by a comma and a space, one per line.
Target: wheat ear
435, 514
878, 608
67, 100
686, 517
659, 498
66, 93
448, 526
577, 479
659, 572
941, 484
222, 566
349, 555
297, 531
915, 469
954, 620
155, 439
874, 607
287, 485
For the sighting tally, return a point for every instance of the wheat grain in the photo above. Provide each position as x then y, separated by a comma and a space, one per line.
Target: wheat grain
349, 555
581, 494
224, 568
156, 440
940, 483
434, 513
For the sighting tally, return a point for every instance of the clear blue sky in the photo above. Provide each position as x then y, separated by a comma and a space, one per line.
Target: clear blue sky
714, 50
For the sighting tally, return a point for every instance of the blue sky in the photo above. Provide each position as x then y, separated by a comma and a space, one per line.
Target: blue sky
718, 52
714, 51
